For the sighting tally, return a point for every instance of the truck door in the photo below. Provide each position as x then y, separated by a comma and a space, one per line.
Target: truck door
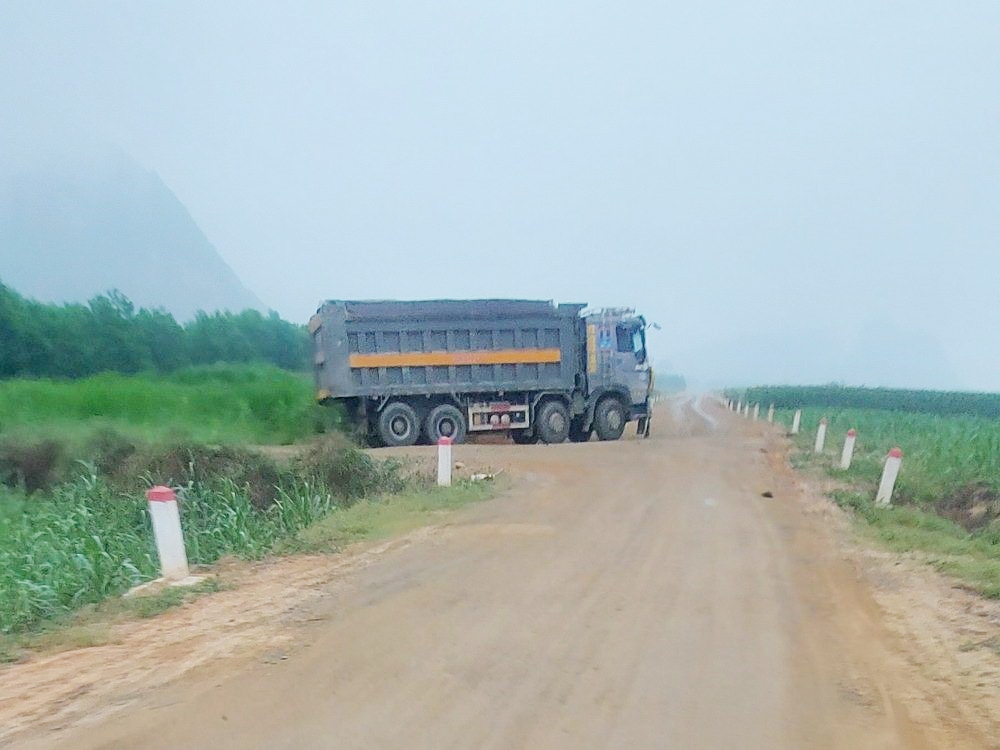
631, 360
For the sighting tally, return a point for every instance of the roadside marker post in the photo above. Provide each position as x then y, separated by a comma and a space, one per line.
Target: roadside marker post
167, 532
739, 406
848, 453
892, 464
746, 410
820, 436
444, 462
796, 420
756, 412
770, 414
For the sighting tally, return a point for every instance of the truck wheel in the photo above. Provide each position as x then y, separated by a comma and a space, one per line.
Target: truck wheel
398, 424
445, 421
552, 422
609, 419
576, 432
524, 437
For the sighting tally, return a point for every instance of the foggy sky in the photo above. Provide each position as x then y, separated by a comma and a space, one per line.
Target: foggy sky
795, 192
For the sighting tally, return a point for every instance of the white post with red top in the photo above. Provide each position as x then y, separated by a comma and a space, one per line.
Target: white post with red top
892, 463
167, 531
848, 453
444, 462
821, 436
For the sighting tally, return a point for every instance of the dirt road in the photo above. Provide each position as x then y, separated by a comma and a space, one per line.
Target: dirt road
627, 595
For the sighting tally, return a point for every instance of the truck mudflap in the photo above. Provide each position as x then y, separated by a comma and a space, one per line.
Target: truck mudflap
644, 416
642, 428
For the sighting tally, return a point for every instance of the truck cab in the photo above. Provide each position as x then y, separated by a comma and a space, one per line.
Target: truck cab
617, 363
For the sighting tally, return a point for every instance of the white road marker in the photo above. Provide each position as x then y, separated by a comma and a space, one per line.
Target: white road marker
444, 462
892, 464
167, 532
820, 436
848, 453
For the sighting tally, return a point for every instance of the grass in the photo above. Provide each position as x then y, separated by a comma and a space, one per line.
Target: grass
65, 559
941, 454
379, 519
224, 404
951, 467
87, 541
942, 403
937, 541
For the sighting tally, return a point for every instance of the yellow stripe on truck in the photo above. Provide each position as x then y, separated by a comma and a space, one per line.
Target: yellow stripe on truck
439, 359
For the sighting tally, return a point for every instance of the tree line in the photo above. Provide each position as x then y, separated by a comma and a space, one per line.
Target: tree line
109, 334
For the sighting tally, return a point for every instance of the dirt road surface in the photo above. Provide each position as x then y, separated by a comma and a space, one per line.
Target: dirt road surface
640, 594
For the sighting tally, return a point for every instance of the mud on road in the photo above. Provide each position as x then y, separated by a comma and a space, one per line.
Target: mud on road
634, 594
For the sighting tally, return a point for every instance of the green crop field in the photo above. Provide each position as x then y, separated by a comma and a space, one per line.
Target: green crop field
946, 506
942, 455
225, 404
941, 403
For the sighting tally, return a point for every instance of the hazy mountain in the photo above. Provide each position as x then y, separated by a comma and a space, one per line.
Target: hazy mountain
73, 225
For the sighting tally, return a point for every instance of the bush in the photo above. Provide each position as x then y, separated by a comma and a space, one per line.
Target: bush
182, 464
33, 466
91, 538
347, 471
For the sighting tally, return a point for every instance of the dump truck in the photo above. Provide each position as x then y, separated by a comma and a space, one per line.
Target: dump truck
408, 372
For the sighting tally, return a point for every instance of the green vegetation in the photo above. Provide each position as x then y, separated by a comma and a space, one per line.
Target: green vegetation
942, 455
212, 404
972, 557
377, 519
374, 517
109, 335
833, 396
88, 539
946, 507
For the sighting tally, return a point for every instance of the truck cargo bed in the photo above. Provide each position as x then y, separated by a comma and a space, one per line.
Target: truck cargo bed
386, 348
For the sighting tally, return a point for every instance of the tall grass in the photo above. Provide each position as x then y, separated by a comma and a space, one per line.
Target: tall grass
86, 541
941, 454
212, 404
950, 472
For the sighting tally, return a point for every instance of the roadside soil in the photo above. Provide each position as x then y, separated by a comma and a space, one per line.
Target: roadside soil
634, 594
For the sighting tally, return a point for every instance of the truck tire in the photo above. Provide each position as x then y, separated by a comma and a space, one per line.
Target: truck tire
552, 422
576, 432
610, 418
445, 421
398, 425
